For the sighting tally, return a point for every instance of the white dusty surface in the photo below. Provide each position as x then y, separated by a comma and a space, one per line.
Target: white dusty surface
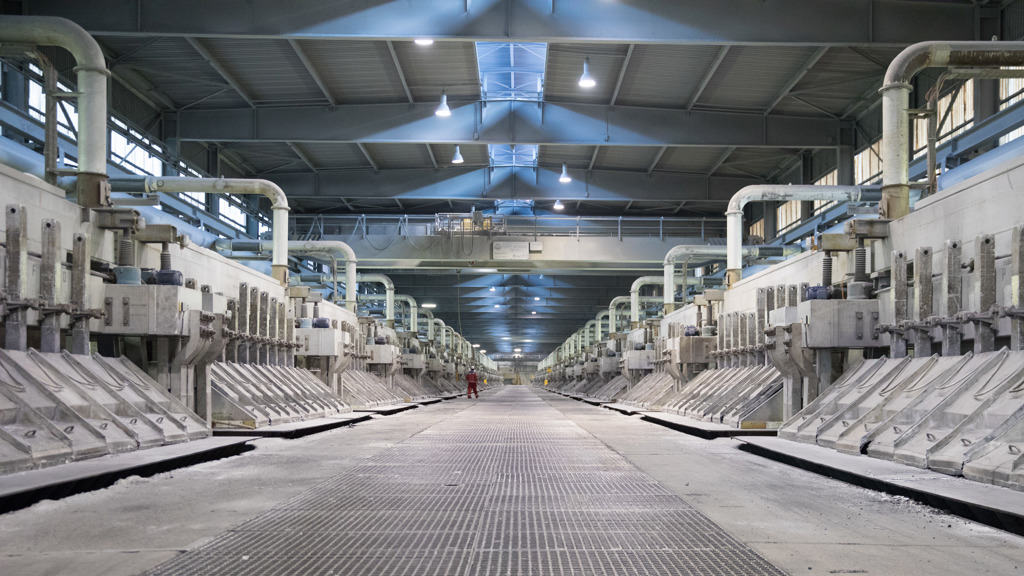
803, 523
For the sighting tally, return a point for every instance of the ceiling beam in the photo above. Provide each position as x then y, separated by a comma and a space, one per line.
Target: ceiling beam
722, 52
430, 152
622, 74
401, 74
721, 159
303, 155
366, 154
795, 79
822, 22
657, 158
488, 184
511, 122
227, 76
313, 73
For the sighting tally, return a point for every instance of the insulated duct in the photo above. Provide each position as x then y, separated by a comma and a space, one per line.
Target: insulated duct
896, 100
613, 307
389, 294
92, 73
600, 315
771, 193
634, 292
333, 248
413, 323
278, 201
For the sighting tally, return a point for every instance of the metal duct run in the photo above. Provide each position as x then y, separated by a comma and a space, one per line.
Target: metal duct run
896, 100
330, 248
413, 323
278, 200
598, 335
687, 252
92, 73
774, 193
951, 414
634, 290
61, 407
613, 306
389, 294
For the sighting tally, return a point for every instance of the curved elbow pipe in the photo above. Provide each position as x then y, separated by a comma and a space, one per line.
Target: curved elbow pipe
412, 323
92, 73
330, 248
278, 202
896, 100
771, 193
389, 292
613, 307
430, 334
413, 311
588, 331
600, 316
430, 323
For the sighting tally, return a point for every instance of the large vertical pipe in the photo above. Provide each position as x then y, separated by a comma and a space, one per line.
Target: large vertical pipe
389, 294
771, 193
896, 100
598, 336
92, 74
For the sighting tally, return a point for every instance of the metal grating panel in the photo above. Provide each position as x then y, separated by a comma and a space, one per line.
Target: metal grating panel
507, 486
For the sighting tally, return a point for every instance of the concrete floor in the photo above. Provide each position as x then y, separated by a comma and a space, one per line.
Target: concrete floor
801, 522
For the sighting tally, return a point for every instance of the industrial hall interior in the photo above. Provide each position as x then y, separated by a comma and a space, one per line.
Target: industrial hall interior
511, 287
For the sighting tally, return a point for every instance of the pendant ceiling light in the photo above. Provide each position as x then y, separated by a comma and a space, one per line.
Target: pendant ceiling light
586, 80
442, 109
564, 178
457, 159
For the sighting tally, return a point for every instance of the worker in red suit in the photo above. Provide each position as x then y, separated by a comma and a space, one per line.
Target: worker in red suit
471, 381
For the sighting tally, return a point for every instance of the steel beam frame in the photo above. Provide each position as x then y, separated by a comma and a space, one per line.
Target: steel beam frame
821, 22
510, 122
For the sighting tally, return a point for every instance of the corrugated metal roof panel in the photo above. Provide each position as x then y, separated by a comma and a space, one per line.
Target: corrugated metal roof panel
664, 76
268, 70
267, 156
750, 76
637, 158
754, 161
573, 156
565, 66
841, 77
399, 156
448, 66
334, 155
175, 68
691, 159
356, 71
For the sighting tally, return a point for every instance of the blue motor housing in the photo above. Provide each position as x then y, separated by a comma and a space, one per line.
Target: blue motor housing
816, 293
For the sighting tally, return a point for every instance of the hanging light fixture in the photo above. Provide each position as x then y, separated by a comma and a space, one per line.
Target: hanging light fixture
424, 41
558, 205
442, 109
586, 80
457, 159
564, 178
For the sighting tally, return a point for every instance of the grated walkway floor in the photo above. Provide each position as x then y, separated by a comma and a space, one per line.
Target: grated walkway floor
508, 486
